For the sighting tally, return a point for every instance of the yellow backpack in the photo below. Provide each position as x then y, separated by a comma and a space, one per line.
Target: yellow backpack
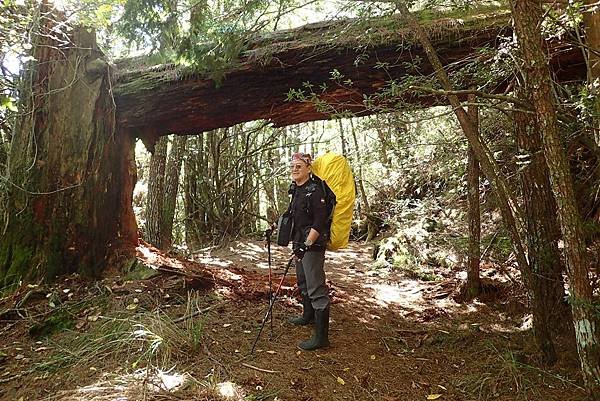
335, 171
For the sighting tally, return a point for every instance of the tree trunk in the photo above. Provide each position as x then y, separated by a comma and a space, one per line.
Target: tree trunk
71, 174
3, 151
545, 275
527, 16
473, 285
156, 192
190, 168
343, 138
371, 226
172, 173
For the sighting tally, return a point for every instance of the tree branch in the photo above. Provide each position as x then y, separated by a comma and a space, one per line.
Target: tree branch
504, 98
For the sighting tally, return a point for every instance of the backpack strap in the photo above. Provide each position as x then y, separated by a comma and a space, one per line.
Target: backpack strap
292, 190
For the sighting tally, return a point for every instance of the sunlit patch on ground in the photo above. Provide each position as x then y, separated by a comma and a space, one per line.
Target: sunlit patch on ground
210, 261
385, 294
230, 391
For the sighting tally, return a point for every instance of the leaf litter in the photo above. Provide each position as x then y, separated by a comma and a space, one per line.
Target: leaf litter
390, 341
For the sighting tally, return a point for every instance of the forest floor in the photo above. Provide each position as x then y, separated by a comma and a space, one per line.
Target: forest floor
394, 336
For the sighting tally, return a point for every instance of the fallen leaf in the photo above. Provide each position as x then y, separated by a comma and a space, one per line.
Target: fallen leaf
433, 396
227, 325
20, 356
131, 306
247, 332
270, 352
341, 381
346, 369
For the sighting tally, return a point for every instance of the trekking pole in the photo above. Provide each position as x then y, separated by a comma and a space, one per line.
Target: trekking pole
271, 303
268, 233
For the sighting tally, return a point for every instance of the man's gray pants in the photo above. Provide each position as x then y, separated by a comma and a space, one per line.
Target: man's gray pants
310, 274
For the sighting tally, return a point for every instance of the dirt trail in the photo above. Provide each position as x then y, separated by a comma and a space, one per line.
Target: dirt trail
397, 338
393, 339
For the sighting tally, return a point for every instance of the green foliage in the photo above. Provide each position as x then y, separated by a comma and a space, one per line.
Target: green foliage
150, 23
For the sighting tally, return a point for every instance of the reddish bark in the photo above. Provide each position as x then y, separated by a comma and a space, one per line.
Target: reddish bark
69, 202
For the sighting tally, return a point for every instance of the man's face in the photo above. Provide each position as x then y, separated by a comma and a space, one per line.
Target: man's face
300, 171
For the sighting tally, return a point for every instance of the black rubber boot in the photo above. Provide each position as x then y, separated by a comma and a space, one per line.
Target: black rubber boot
320, 337
308, 313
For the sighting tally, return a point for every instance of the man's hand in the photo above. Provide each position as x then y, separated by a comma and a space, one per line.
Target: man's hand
300, 250
270, 229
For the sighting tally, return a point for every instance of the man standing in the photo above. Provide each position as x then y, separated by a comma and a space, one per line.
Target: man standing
309, 211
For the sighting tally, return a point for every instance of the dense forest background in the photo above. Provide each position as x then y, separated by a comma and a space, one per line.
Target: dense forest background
483, 166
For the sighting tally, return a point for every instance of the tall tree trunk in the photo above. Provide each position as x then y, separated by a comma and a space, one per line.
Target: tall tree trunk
527, 15
4, 144
71, 175
544, 279
473, 285
269, 185
371, 226
172, 173
383, 135
190, 171
156, 192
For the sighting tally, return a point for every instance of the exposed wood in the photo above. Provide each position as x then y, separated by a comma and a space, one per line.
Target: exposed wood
176, 100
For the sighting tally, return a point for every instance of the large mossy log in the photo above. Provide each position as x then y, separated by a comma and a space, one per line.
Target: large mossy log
70, 174
167, 99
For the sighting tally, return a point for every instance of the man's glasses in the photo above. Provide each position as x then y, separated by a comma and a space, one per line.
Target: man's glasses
295, 167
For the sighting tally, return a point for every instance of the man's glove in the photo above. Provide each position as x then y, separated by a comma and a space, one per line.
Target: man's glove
300, 250
270, 229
